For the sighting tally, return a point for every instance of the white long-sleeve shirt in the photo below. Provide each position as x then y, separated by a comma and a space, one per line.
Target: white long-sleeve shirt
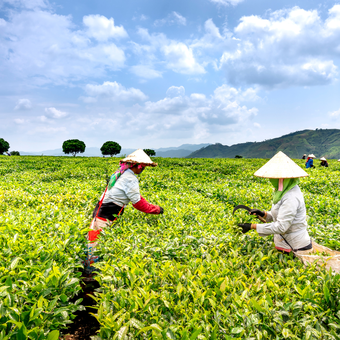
288, 218
125, 190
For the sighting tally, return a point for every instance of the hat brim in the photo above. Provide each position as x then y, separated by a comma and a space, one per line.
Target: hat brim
153, 164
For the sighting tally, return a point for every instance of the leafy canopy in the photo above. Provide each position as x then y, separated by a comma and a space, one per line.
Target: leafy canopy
73, 146
110, 148
150, 152
15, 153
4, 146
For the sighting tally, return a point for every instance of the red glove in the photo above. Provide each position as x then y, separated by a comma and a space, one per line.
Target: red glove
144, 206
93, 235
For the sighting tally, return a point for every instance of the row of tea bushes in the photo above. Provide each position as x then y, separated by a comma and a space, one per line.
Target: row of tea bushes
44, 206
189, 274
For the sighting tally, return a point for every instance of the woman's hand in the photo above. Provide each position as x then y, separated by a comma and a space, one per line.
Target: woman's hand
247, 227
257, 212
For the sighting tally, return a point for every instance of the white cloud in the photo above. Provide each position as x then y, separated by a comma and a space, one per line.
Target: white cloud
19, 121
180, 59
54, 113
250, 95
212, 40
23, 104
158, 49
175, 91
179, 19
212, 44
108, 54
43, 119
178, 56
145, 71
290, 47
141, 17
198, 97
152, 42
333, 21
257, 125
147, 53
335, 114
166, 106
173, 18
222, 108
212, 29
178, 114
102, 28
114, 91
46, 48
226, 2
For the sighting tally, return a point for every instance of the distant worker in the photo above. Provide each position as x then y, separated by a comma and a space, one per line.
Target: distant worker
304, 156
287, 218
309, 163
122, 189
324, 162
8, 154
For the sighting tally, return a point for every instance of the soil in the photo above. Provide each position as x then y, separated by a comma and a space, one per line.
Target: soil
84, 325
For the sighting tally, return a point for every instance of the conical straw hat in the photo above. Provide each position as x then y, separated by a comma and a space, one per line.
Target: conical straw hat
311, 156
139, 156
323, 159
281, 166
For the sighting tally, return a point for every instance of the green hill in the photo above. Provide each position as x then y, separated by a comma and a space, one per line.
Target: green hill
320, 142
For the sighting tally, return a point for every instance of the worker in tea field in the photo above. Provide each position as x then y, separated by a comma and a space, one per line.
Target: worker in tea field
309, 162
287, 218
122, 189
324, 162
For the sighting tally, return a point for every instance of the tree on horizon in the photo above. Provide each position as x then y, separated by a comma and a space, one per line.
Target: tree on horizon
4, 146
150, 152
73, 146
110, 148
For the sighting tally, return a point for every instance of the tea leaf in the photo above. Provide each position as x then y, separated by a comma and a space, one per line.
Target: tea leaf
54, 335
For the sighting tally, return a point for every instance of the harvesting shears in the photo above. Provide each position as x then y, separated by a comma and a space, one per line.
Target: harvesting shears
241, 206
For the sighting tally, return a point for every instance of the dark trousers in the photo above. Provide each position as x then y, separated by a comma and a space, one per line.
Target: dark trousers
109, 211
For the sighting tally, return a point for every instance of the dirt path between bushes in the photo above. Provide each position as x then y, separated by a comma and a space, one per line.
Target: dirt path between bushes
84, 325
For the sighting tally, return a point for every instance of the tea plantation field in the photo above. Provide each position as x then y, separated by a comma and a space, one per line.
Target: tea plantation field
187, 274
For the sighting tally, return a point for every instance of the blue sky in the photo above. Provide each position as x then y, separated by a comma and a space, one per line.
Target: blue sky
155, 73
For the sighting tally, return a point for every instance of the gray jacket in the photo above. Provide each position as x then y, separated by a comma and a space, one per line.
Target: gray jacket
288, 218
125, 190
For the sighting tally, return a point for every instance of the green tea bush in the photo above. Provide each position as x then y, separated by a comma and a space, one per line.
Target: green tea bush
190, 274
187, 274
45, 203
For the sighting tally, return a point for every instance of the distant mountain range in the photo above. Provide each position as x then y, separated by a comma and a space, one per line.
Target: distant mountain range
177, 152
320, 142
